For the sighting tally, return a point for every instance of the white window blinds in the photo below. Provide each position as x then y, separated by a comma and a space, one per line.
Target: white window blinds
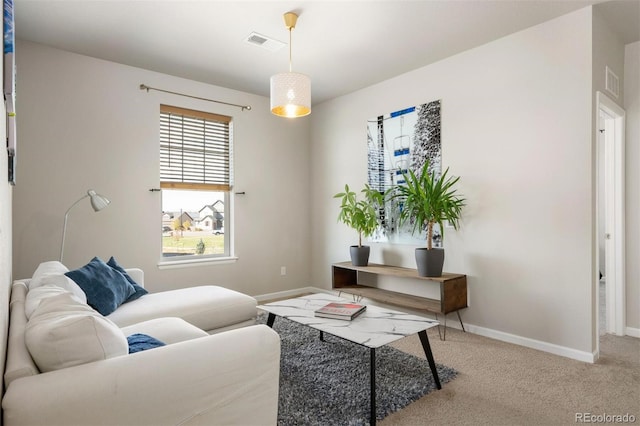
195, 149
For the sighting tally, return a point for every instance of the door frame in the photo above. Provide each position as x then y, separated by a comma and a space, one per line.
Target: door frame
615, 215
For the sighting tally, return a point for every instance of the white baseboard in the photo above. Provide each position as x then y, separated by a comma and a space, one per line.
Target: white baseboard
532, 343
482, 331
633, 332
288, 293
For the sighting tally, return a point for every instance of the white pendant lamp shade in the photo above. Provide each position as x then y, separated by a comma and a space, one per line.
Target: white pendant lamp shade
290, 94
290, 91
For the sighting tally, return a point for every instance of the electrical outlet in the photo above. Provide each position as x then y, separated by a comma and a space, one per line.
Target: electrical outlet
283, 270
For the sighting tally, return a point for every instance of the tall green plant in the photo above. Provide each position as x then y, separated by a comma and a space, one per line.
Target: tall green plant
361, 215
428, 200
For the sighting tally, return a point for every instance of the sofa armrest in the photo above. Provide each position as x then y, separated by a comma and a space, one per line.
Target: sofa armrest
227, 378
137, 275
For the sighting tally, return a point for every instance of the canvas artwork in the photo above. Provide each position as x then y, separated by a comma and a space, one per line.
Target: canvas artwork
9, 44
9, 85
397, 142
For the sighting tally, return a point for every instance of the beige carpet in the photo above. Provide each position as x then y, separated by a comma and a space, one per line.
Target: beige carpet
503, 384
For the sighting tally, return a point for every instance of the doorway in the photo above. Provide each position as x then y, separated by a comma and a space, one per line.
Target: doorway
610, 223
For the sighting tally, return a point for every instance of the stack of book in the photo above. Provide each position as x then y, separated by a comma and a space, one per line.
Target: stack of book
342, 311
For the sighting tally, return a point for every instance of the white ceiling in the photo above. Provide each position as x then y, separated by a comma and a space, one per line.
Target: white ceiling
342, 45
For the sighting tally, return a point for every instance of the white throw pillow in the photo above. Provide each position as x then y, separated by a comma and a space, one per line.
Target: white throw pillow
47, 268
63, 332
35, 296
52, 273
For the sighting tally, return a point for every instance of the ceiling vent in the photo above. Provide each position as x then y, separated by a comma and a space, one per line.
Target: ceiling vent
264, 42
612, 83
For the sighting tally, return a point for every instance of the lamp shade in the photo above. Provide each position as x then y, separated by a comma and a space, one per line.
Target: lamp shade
290, 94
98, 202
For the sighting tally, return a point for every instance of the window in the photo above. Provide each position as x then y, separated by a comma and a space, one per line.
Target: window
195, 178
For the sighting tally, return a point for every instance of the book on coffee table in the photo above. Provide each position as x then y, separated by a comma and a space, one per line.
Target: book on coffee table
343, 311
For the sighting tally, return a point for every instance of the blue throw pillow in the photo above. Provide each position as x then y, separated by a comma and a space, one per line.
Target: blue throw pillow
139, 291
106, 288
141, 342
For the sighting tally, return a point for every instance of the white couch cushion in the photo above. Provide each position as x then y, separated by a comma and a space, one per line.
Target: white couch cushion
206, 307
168, 330
52, 273
63, 332
51, 267
35, 296
19, 363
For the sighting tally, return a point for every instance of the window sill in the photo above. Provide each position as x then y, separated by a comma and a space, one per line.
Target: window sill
187, 263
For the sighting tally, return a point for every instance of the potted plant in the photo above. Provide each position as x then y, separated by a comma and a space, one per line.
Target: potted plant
428, 200
361, 215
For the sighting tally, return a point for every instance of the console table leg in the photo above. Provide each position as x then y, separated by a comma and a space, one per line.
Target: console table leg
427, 351
444, 332
439, 332
271, 319
372, 415
460, 319
321, 335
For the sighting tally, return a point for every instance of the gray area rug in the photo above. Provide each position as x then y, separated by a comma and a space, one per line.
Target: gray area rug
327, 383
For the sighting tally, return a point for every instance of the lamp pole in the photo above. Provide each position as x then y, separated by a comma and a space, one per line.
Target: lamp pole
98, 202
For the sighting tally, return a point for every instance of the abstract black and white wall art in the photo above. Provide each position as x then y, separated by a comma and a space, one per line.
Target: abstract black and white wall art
397, 142
9, 83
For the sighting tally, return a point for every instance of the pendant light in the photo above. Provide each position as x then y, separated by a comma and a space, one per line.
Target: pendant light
290, 91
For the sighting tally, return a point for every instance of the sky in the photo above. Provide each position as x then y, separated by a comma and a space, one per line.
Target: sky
191, 201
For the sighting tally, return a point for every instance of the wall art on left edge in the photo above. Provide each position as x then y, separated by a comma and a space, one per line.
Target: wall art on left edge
9, 86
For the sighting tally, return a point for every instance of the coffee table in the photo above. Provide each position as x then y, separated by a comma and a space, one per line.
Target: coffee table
374, 328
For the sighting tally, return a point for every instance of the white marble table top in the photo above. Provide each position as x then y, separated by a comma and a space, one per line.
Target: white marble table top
374, 328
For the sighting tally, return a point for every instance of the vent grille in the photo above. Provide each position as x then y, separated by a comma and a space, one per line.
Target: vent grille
612, 82
256, 39
264, 42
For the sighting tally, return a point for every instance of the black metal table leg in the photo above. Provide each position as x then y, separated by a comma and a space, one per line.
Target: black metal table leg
427, 351
321, 336
271, 319
372, 416
460, 319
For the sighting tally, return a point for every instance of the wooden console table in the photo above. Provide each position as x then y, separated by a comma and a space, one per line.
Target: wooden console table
453, 289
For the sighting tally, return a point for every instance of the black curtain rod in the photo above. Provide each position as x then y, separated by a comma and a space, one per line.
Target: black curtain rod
242, 107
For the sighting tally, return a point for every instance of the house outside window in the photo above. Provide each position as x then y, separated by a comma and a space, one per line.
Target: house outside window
196, 180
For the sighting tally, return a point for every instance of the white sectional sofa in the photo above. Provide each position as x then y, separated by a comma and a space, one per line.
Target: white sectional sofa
217, 367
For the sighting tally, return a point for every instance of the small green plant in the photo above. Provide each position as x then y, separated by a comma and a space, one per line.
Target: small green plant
361, 215
427, 200
200, 247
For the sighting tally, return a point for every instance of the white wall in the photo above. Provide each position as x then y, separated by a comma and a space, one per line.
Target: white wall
517, 129
632, 155
84, 123
607, 51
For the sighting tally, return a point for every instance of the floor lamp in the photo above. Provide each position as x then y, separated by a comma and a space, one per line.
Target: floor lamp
98, 202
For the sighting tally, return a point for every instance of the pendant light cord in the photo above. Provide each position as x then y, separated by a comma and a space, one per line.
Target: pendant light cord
290, 67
